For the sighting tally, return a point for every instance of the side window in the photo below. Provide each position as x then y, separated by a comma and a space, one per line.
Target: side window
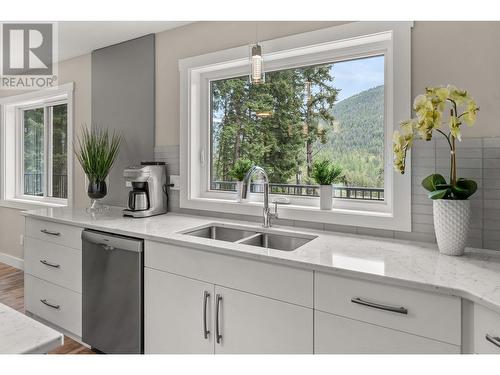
44, 152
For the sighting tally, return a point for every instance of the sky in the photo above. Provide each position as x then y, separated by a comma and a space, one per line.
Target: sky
354, 76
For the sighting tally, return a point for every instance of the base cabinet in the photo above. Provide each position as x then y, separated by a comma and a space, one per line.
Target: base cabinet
186, 316
338, 335
174, 308
53, 274
253, 324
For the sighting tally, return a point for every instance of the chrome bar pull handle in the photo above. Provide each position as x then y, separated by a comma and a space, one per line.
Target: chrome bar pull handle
48, 232
45, 302
206, 331
493, 339
47, 263
399, 310
218, 335
107, 247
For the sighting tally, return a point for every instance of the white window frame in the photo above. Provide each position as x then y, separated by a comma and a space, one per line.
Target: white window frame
339, 43
12, 146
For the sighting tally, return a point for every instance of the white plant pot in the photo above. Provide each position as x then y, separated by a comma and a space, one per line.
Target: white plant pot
325, 197
239, 187
452, 224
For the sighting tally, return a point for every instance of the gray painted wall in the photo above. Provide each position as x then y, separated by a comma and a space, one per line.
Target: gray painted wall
123, 99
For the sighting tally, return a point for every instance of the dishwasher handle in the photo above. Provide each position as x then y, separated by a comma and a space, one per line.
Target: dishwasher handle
111, 241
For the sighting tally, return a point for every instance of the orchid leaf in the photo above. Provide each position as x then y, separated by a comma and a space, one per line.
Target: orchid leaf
439, 194
442, 186
464, 188
431, 183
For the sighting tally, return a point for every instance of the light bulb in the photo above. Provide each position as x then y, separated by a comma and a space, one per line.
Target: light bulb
256, 65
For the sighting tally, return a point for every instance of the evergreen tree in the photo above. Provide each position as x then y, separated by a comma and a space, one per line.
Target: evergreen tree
320, 95
298, 102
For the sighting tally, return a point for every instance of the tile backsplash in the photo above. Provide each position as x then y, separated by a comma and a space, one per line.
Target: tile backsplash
477, 158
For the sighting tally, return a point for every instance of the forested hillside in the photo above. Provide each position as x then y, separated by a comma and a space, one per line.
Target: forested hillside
304, 123
357, 142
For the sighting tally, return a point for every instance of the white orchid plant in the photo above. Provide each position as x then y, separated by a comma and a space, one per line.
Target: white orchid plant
429, 109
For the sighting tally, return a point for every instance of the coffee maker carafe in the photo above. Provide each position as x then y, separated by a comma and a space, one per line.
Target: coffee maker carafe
148, 195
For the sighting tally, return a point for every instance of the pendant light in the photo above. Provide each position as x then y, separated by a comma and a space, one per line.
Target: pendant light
256, 65
256, 62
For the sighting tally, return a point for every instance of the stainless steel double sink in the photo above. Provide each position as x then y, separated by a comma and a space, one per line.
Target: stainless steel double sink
276, 240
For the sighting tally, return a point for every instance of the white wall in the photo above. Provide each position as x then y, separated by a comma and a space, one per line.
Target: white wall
465, 54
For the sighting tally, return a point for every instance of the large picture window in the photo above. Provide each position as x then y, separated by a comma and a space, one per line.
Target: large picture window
336, 94
331, 111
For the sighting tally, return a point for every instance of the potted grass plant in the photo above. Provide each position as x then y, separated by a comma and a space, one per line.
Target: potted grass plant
451, 207
238, 173
96, 150
326, 173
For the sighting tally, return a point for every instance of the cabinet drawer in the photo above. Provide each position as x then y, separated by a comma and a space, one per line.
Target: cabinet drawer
486, 323
270, 280
427, 314
66, 309
58, 264
338, 335
60, 234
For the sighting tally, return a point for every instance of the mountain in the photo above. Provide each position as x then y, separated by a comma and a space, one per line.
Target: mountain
360, 122
357, 142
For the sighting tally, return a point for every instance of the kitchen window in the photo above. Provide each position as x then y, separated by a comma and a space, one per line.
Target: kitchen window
300, 115
336, 93
36, 142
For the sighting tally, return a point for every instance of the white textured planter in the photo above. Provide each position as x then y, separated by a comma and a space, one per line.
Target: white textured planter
239, 187
325, 197
451, 223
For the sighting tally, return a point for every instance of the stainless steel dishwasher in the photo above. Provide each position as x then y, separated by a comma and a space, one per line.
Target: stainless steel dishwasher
112, 302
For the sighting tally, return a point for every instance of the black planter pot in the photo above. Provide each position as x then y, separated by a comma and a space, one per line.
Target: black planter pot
97, 190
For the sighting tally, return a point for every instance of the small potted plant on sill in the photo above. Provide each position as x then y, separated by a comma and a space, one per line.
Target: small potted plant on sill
451, 207
238, 173
96, 151
326, 173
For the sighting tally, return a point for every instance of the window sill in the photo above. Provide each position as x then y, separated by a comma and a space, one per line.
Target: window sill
358, 218
26, 204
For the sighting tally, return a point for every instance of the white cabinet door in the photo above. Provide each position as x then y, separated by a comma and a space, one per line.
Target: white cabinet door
252, 324
175, 311
337, 335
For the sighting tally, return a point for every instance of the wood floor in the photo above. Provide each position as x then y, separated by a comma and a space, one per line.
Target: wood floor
12, 295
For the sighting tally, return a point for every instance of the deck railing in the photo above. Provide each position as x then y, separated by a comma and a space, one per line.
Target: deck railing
33, 185
346, 192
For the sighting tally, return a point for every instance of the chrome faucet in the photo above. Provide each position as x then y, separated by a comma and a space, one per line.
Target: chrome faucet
267, 215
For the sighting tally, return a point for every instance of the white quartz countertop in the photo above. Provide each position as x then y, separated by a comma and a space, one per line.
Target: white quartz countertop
19, 334
475, 276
